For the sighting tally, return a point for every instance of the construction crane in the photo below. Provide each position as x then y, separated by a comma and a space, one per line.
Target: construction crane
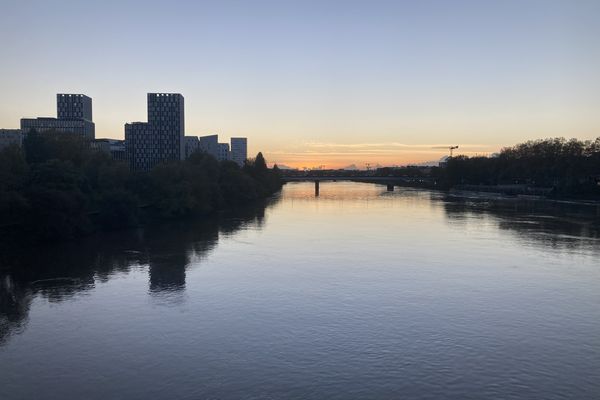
451, 148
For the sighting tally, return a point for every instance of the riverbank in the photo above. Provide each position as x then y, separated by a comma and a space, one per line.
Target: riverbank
55, 188
490, 192
489, 195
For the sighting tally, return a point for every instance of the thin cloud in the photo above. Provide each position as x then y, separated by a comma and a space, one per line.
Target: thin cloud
390, 144
356, 153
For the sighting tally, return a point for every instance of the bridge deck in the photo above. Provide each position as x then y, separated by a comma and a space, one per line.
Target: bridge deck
382, 179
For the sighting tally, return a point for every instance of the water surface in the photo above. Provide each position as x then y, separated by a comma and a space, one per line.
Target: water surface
359, 293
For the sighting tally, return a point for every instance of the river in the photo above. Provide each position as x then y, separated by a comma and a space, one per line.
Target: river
359, 293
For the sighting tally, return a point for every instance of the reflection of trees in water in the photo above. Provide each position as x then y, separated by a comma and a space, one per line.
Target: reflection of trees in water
14, 307
548, 224
60, 271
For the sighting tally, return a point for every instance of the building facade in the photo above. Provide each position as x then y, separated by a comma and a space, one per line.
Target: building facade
239, 150
166, 116
161, 139
46, 124
74, 115
114, 147
10, 137
210, 145
192, 145
224, 153
73, 106
142, 146
118, 151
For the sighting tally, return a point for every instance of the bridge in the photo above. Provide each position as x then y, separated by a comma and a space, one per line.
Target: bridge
389, 181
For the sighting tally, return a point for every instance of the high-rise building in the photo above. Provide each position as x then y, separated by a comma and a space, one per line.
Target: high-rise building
210, 145
239, 150
74, 115
224, 153
73, 106
142, 146
166, 115
161, 139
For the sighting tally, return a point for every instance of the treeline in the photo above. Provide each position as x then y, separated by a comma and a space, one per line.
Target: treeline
571, 168
55, 187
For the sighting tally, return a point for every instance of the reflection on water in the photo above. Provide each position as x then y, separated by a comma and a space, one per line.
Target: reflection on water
566, 226
358, 293
59, 272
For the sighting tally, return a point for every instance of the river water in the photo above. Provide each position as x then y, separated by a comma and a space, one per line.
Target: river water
357, 294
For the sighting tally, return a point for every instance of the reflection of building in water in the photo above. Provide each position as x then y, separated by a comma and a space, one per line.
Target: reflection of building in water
168, 272
168, 252
59, 272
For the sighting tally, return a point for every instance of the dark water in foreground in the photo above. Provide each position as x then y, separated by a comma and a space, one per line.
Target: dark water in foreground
357, 294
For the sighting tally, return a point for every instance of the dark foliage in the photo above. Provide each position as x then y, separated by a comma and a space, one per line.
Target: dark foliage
571, 168
57, 188
269, 180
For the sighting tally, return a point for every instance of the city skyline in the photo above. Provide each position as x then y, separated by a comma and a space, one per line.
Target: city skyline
319, 84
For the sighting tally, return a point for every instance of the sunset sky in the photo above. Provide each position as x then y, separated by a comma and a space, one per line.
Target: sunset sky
328, 83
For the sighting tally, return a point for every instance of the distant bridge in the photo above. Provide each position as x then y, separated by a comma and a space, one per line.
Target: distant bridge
389, 181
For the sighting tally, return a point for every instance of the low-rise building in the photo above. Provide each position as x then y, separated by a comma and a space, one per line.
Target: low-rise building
224, 153
210, 145
74, 115
239, 150
10, 137
116, 148
192, 145
49, 124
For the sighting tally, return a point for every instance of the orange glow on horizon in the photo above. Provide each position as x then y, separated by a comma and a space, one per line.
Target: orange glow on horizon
361, 161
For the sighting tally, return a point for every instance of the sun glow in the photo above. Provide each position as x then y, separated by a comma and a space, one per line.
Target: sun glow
315, 155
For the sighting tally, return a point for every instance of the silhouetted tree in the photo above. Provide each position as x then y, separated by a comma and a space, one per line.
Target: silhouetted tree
569, 167
56, 187
44, 146
259, 163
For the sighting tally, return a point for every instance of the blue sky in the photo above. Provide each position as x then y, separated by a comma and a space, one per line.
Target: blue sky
310, 83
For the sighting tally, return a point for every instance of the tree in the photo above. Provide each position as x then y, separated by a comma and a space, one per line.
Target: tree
259, 163
57, 188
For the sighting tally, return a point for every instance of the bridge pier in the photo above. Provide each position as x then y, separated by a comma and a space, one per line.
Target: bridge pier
316, 188
390, 188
